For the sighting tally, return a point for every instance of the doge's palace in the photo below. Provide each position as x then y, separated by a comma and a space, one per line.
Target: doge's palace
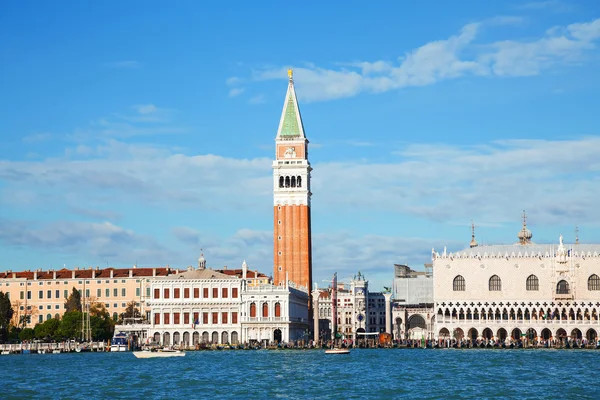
523, 290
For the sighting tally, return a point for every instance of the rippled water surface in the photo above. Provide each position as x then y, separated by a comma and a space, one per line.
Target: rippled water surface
264, 374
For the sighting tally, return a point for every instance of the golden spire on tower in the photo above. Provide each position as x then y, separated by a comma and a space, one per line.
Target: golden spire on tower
290, 73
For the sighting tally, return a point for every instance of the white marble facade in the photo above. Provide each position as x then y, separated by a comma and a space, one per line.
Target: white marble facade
206, 306
514, 291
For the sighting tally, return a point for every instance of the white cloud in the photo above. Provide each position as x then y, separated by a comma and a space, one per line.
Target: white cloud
234, 80
235, 92
145, 108
455, 57
90, 241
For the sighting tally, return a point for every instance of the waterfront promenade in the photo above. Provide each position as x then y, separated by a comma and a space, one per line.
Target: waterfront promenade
54, 347
70, 347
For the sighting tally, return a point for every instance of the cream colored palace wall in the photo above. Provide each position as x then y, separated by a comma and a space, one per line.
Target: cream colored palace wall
513, 272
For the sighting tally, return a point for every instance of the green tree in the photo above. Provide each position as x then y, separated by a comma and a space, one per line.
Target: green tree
70, 325
73, 303
103, 326
6, 313
48, 329
26, 334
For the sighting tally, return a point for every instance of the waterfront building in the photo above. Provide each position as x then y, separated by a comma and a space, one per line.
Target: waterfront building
292, 250
359, 311
40, 295
205, 306
412, 307
521, 290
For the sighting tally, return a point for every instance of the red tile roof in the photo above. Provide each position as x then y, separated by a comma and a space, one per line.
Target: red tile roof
87, 273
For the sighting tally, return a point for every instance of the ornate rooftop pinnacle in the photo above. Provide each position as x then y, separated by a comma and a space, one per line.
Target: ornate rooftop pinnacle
201, 261
524, 234
473, 241
576, 234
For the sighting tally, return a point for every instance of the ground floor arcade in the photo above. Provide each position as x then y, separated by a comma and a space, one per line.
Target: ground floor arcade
561, 333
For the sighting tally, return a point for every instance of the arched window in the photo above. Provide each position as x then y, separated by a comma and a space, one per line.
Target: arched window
495, 283
48, 316
532, 283
299, 181
594, 282
281, 181
252, 310
287, 181
277, 310
293, 181
265, 310
562, 287
459, 284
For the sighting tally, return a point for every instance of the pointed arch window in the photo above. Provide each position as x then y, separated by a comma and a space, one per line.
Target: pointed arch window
458, 285
287, 181
299, 181
532, 283
293, 181
495, 284
594, 282
562, 287
281, 181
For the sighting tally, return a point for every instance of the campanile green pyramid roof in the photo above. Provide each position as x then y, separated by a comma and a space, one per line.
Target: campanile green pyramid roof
290, 125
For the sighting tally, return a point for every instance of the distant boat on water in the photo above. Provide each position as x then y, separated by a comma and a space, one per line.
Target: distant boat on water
160, 353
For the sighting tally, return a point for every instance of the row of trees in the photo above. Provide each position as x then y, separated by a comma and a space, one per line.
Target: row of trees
12, 324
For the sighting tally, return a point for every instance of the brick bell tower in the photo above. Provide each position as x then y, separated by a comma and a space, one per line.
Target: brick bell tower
291, 188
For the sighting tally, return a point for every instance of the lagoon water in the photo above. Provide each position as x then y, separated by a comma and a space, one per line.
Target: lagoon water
309, 374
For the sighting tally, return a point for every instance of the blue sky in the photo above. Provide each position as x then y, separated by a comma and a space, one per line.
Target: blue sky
144, 131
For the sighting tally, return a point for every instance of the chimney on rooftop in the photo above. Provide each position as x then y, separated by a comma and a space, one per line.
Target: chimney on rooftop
111, 273
93, 273
153, 272
34, 275
73, 273
54, 275
131, 273
225, 268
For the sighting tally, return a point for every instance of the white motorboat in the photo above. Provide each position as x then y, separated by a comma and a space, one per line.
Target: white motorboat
158, 353
337, 350
119, 342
